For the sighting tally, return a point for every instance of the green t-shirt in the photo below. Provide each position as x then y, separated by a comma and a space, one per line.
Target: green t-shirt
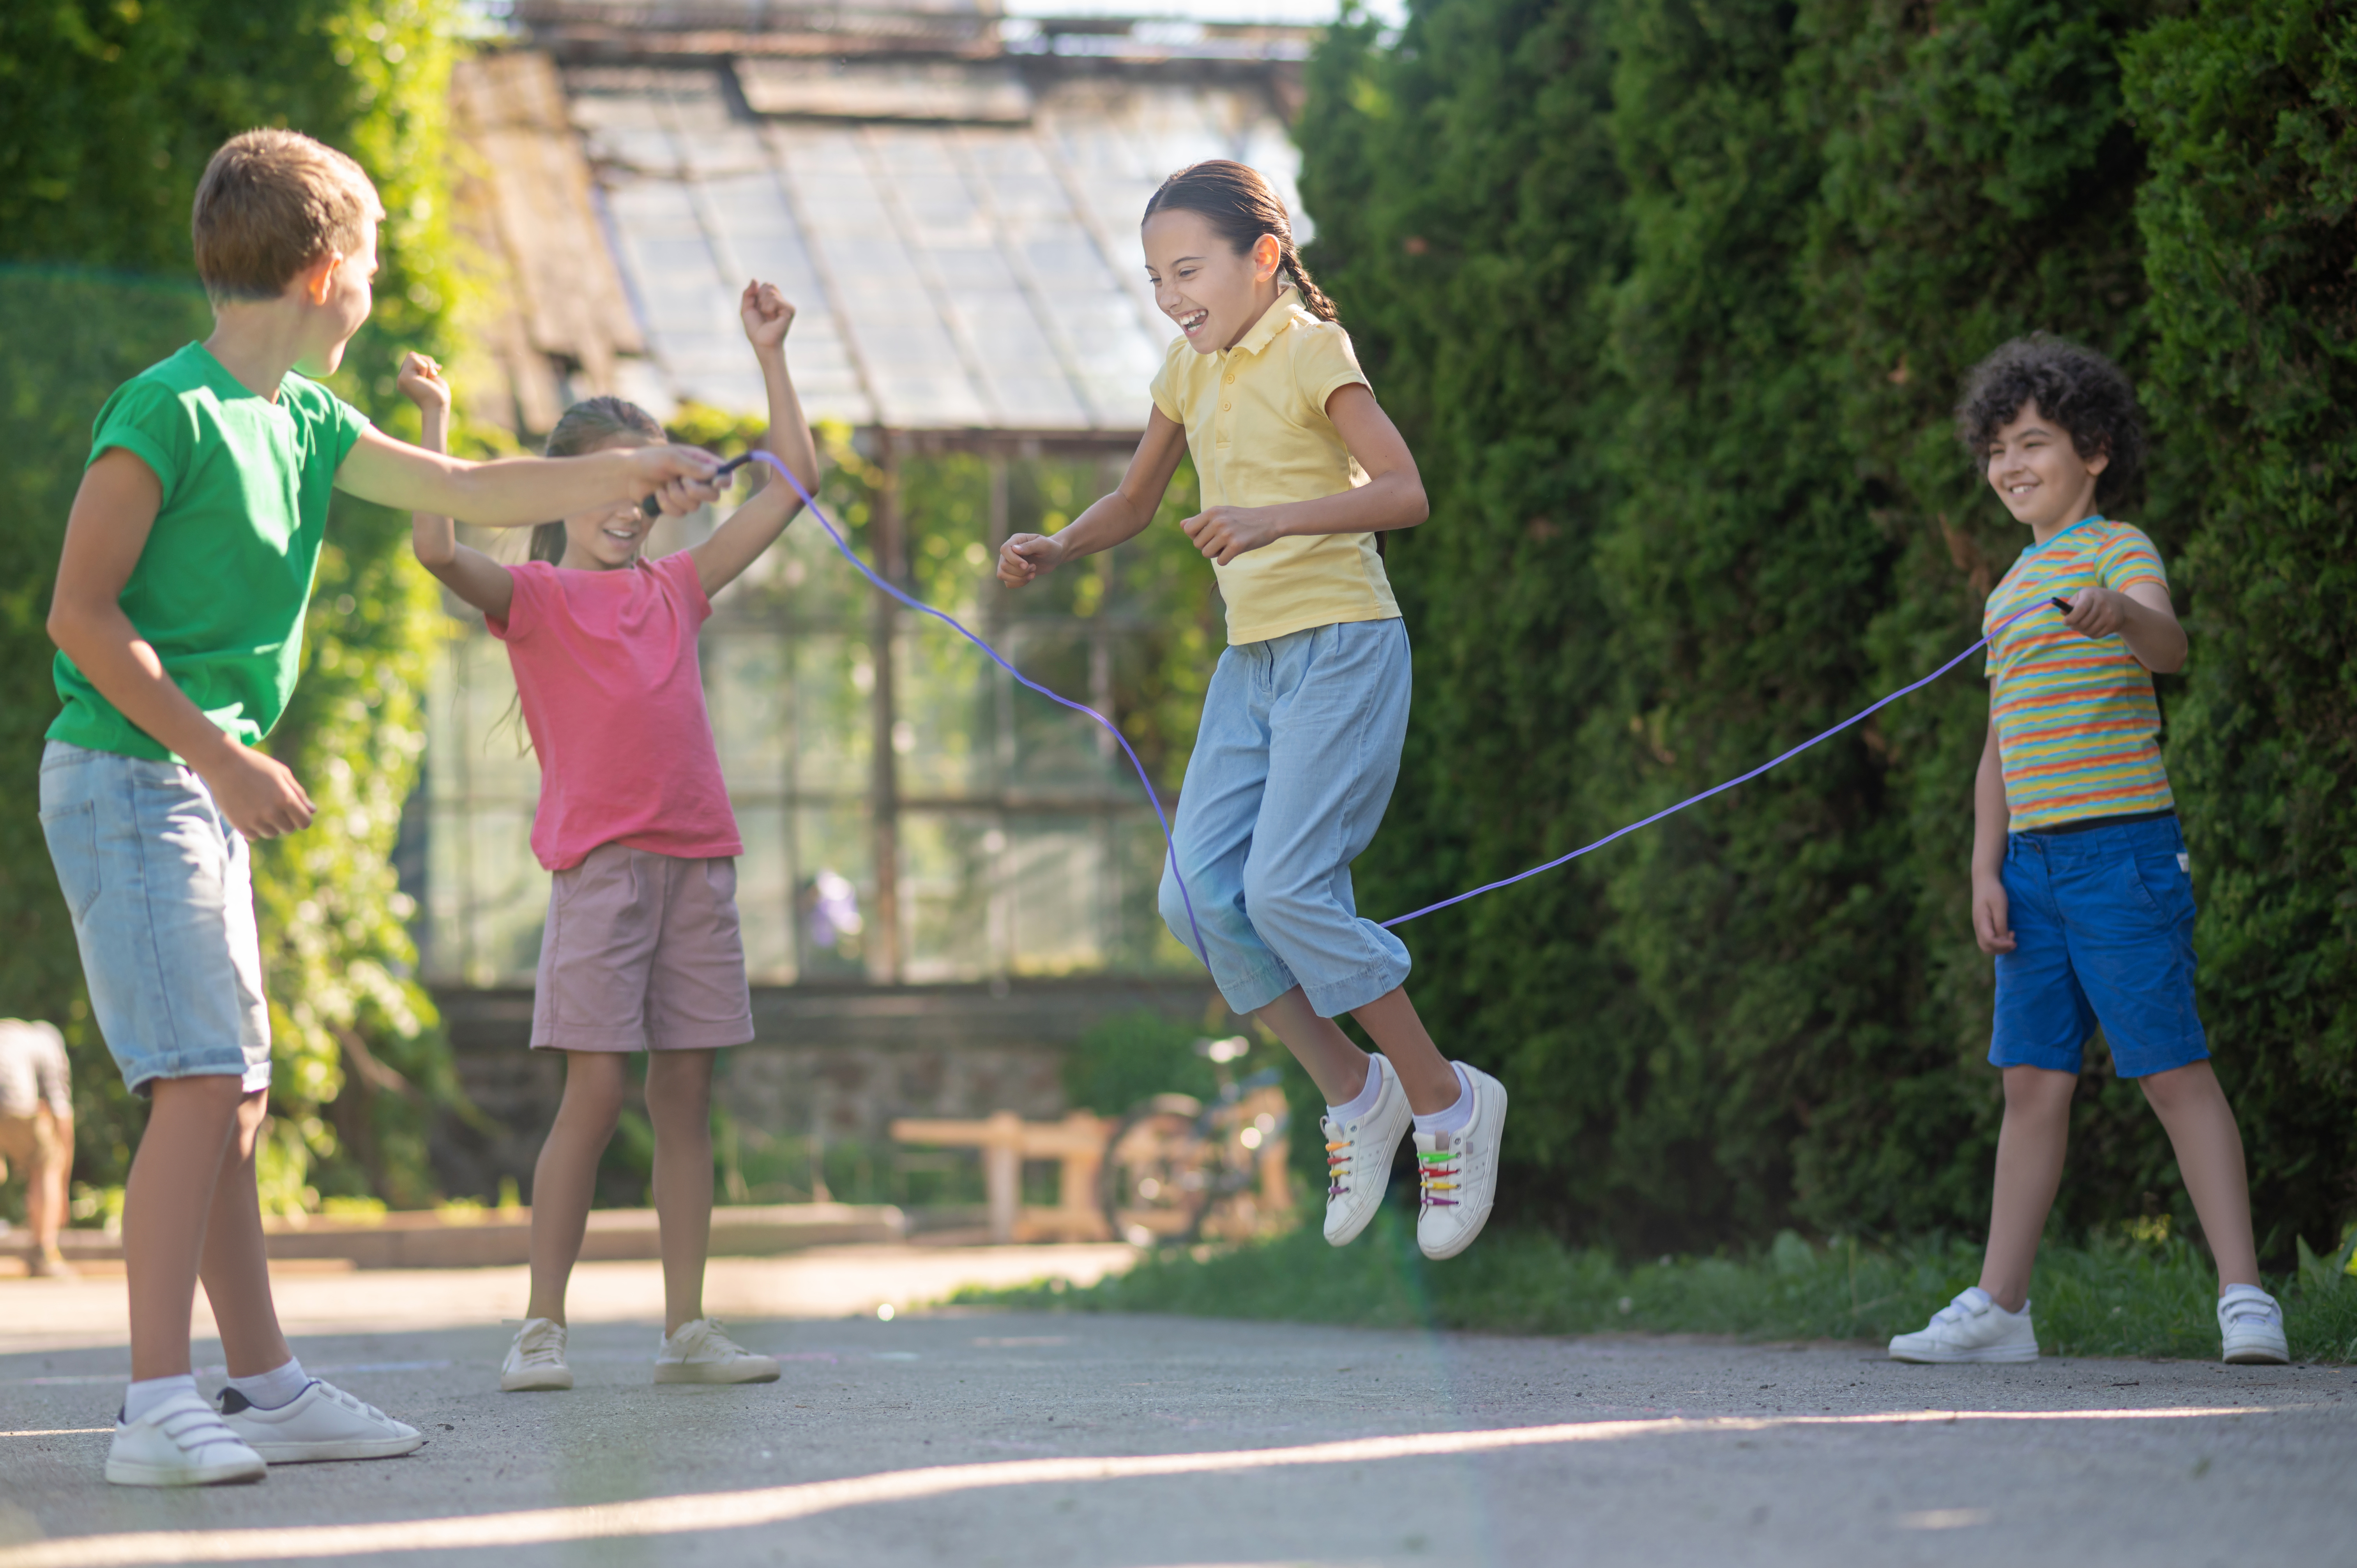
220, 589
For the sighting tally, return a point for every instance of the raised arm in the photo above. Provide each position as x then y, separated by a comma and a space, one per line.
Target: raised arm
113, 514
1392, 497
755, 526
514, 492
467, 572
1113, 519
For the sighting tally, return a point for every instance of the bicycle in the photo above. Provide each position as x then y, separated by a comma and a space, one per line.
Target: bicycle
1177, 1171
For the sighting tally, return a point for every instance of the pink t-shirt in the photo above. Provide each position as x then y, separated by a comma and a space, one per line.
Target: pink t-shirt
613, 697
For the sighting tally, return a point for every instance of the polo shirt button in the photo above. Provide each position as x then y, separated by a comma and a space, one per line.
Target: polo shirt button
1231, 378
1227, 405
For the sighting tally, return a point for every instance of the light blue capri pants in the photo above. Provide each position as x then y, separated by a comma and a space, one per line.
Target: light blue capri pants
1294, 763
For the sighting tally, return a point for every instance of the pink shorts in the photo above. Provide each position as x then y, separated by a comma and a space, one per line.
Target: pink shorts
642, 953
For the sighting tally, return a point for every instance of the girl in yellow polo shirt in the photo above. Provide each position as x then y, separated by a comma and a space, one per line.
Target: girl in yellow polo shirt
1299, 744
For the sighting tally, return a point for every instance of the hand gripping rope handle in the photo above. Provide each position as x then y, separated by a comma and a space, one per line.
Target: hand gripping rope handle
1163, 817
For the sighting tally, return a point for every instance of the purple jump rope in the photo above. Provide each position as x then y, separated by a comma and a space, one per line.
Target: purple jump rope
1163, 817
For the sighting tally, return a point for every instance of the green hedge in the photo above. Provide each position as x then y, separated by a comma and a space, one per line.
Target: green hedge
1672, 298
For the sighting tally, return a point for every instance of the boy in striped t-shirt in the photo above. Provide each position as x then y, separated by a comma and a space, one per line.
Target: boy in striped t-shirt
2081, 884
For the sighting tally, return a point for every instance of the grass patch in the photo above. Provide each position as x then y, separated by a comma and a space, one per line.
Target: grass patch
2112, 1295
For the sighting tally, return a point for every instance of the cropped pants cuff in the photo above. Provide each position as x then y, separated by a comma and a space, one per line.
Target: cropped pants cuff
1378, 980
1259, 985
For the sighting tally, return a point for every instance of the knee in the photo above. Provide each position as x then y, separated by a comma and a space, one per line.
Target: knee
2038, 1091
1277, 900
1181, 906
679, 1089
593, 1089
2180, 1088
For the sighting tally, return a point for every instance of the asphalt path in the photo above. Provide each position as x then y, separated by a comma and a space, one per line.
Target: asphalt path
1035, 1441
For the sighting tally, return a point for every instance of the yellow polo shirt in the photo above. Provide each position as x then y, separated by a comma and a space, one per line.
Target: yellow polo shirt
1255, 421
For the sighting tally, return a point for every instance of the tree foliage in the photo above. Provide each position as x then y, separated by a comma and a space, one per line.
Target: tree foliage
108, 113
1672, 298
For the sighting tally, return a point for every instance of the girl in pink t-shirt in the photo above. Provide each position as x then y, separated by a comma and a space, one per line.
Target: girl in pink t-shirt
642, 949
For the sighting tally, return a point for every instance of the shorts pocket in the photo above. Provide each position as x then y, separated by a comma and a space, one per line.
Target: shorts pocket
72, 833
2163, 887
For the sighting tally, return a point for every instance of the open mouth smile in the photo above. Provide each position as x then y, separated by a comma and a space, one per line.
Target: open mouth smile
1193, 322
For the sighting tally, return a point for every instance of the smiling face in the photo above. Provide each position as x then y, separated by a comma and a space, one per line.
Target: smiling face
338, 292
2038, 473
609, 538
1203, 284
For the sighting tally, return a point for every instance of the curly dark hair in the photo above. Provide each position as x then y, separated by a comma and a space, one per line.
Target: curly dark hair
2076, 387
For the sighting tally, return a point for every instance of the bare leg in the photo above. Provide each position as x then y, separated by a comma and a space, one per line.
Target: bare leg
45, 1187
165, 1205
235, 1265
1431, 1084
1339, 1068
2030, 1149
2209, 1148
678, 1103
565, 1179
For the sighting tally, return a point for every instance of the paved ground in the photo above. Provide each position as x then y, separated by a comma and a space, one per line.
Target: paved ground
1146, 1443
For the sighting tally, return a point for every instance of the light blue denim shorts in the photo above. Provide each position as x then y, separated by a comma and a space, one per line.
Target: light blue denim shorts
161, 890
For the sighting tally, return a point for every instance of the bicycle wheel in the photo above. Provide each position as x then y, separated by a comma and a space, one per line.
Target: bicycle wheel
1158, 1173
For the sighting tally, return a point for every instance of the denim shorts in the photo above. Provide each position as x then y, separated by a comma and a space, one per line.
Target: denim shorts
1294, 763
161, 890
2103, 927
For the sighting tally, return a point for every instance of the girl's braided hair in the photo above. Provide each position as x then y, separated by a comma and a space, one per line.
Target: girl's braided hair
1241, 207
2076, 388
588, 425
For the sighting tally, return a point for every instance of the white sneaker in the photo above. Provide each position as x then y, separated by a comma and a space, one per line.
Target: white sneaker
1973, 1327
321, 1423
1458, 1172
1358, 1157
700, 1353
181, 1442
2252, 1323
537, 1359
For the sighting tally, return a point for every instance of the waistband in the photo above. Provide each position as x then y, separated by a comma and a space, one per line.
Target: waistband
2089, 825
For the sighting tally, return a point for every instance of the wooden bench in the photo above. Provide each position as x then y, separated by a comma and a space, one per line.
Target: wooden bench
1077, 1143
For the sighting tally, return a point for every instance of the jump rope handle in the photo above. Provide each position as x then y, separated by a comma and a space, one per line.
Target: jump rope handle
2063, 604
652, 507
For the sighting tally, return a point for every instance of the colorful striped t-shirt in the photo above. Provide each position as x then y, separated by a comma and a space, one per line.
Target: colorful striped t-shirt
2078, 732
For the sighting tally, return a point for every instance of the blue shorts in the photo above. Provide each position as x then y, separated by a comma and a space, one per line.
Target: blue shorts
161, 891
2102, 926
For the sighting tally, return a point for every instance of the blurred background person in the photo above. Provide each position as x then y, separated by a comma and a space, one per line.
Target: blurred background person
37, 1133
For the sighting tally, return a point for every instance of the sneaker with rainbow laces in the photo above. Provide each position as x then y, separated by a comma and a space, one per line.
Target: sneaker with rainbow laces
1458, 1172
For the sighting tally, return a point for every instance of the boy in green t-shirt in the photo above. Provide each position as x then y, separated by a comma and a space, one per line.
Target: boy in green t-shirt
178, 618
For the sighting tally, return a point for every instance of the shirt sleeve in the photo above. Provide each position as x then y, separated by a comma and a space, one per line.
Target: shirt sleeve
530, 585
1325, 364
1165, 388
144, 419
2129, 558
683, 582
345, 422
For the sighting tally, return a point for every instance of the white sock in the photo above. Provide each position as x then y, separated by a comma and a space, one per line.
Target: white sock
1364, 1100
1457, 1117
268, 1391
141, 1398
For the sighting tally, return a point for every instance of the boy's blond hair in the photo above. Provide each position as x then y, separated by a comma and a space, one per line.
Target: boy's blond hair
271, 203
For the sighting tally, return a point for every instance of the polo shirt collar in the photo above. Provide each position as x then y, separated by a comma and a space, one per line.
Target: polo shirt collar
1274, 320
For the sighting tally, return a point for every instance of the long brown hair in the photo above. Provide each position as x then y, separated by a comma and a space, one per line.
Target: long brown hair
1241, 206
588, 425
